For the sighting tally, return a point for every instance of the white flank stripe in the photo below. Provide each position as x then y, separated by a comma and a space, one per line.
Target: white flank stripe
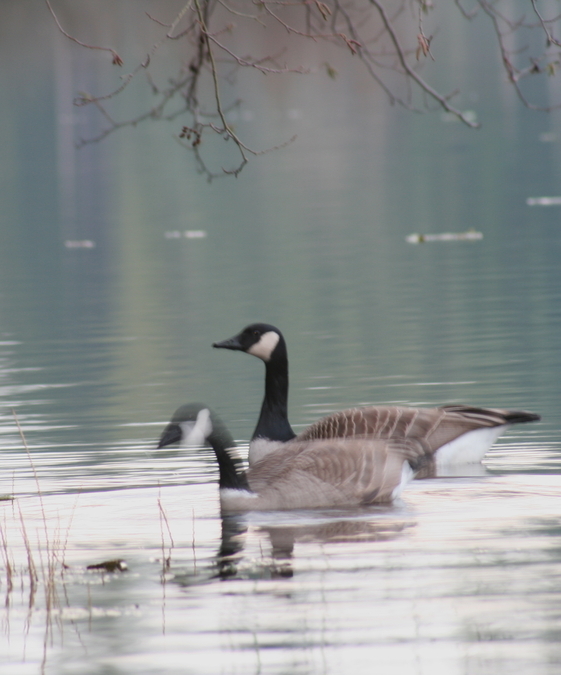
237, 500
407, 475
261, 447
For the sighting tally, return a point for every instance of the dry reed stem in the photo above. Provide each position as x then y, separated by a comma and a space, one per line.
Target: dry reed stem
193, 544
48, 569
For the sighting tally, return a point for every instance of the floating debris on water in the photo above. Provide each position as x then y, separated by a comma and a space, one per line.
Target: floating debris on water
543, 201
549, 137
470, 235
79, 243
188, 234
469, 115
116, 565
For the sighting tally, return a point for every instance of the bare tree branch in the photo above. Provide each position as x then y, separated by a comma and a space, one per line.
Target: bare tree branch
371, 31
550, 39
504, 27
414, 76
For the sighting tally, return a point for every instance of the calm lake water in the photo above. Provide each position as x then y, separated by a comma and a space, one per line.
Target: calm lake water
99, 345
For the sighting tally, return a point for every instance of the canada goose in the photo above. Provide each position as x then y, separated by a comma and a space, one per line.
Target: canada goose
301, 474
459, 433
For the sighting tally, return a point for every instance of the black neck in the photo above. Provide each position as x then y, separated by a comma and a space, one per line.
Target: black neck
273, 421
230, 469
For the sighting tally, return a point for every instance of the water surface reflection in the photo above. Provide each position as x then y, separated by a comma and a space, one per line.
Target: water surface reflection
430, 583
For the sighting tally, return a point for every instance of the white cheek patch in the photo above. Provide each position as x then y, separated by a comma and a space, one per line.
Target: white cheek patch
266, 346
196, 433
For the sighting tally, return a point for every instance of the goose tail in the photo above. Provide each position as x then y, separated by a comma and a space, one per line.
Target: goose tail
520, 416
490, 414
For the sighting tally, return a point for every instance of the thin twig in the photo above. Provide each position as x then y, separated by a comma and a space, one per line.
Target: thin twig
226, 129
166, 560
116, 58
550, 39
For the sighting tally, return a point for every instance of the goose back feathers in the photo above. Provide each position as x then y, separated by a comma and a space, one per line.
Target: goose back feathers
448, 431
453, 433
303, 474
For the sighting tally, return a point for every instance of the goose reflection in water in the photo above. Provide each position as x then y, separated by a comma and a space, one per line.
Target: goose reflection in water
376, 524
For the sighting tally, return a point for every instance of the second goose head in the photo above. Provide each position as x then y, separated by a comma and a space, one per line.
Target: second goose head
195, 424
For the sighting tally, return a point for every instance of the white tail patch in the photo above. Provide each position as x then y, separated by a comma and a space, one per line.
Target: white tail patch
266, 346
468, 448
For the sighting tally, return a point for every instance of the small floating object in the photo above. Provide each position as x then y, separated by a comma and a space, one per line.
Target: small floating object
188, 234
543, 201
470, 235
549, 137
469, 115
116, 565
79, 243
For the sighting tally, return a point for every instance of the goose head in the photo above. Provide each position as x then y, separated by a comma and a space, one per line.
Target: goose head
258, 339
195, 424
266, 343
